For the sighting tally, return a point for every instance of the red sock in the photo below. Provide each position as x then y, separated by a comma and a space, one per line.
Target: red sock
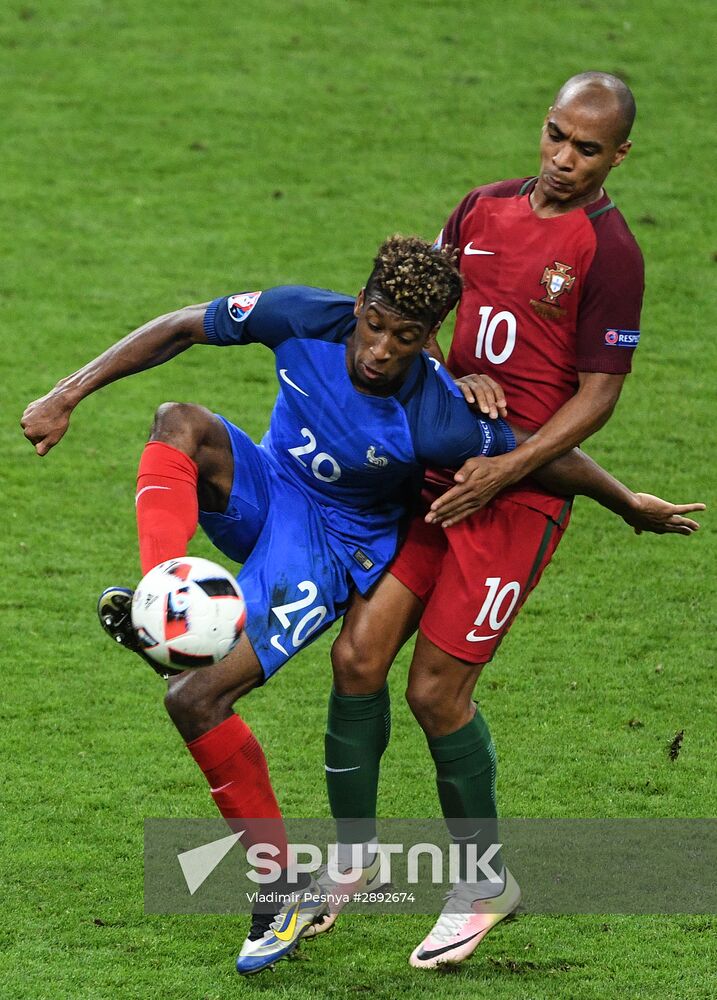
167, 508
234, 764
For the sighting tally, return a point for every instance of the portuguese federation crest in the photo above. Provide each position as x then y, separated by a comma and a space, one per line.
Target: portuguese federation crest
557, 280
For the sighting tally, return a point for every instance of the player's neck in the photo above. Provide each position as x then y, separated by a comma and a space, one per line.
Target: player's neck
546, 206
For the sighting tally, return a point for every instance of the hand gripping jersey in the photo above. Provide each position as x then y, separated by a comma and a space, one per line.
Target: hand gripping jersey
356, 456
543, 299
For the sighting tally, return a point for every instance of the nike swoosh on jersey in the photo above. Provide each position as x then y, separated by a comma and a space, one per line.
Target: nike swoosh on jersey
145, 488
285, 377
470, 249
341, 770
472, 637
287, 931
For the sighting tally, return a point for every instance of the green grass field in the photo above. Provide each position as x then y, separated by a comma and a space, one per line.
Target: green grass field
160, 155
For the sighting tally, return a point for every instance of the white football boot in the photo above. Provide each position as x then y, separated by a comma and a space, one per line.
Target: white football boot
464, 922
338, 894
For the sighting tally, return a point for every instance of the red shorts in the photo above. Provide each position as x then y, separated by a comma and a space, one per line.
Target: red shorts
473, 578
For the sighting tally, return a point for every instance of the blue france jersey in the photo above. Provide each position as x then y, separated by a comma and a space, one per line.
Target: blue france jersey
358, 456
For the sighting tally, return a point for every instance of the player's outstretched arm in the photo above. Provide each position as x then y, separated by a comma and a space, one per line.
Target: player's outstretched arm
577, 473
46, 419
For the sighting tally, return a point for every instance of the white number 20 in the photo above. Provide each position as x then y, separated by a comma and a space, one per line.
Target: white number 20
307, 624
322, 458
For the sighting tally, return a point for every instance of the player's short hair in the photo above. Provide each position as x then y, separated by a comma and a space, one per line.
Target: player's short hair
596, 81
418, 280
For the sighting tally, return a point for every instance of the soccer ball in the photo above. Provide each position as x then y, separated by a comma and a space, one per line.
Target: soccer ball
188, 612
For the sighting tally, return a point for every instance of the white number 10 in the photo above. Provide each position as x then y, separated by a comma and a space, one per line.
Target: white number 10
487, 330
497, 607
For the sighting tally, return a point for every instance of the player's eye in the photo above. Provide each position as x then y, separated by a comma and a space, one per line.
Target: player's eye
374, 327
589, 151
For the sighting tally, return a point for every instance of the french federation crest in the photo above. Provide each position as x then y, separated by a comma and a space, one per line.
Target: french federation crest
379, 461
557, 280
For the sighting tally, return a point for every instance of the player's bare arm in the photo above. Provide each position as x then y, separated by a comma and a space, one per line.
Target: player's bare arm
575, 473
46, 419
480, 479
570, 474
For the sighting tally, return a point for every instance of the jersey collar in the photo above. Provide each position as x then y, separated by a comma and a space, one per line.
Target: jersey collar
597, 207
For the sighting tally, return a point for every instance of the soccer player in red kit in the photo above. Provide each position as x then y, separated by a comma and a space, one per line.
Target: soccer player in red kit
553, 284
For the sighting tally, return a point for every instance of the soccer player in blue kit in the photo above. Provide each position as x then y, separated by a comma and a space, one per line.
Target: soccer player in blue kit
313, 513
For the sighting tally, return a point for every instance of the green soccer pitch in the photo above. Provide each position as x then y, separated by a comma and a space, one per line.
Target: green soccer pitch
156, 155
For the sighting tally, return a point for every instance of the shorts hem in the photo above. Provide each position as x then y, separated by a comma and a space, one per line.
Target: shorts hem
458, 652
423, 598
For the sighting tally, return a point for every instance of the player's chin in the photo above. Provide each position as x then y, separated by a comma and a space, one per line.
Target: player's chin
369, 378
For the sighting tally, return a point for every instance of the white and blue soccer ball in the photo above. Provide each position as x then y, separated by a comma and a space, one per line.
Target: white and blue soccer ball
188, 613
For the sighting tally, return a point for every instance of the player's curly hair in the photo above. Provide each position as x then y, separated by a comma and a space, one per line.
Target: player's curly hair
418, 280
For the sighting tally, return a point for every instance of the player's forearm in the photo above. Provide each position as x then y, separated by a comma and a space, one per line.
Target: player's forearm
555, 438
577, 474
46, 420
150, 345
582, 415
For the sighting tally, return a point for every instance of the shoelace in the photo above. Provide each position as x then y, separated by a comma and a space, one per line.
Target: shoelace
277, 919
449, 923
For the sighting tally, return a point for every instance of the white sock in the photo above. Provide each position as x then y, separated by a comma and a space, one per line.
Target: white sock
484, 889
361, 855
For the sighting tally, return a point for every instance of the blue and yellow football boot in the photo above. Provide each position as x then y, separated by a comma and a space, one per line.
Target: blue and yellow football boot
274, 936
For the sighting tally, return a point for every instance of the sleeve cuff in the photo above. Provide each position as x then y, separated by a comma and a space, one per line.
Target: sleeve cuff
209, 321
510, 444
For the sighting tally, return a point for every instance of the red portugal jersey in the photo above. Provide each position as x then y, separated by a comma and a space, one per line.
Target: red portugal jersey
543, 299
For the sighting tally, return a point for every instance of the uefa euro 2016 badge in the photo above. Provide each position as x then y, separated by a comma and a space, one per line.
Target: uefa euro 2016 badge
557, 280
240, 306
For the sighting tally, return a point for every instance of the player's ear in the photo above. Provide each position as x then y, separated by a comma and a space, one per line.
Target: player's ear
620, 153
360, 299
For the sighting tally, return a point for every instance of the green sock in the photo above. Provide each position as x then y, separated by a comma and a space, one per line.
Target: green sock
465, 776
357, 733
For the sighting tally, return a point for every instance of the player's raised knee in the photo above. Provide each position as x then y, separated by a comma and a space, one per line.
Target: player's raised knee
171, 415
183, 425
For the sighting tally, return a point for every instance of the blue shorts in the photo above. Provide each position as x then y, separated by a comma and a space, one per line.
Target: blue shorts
294, 585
